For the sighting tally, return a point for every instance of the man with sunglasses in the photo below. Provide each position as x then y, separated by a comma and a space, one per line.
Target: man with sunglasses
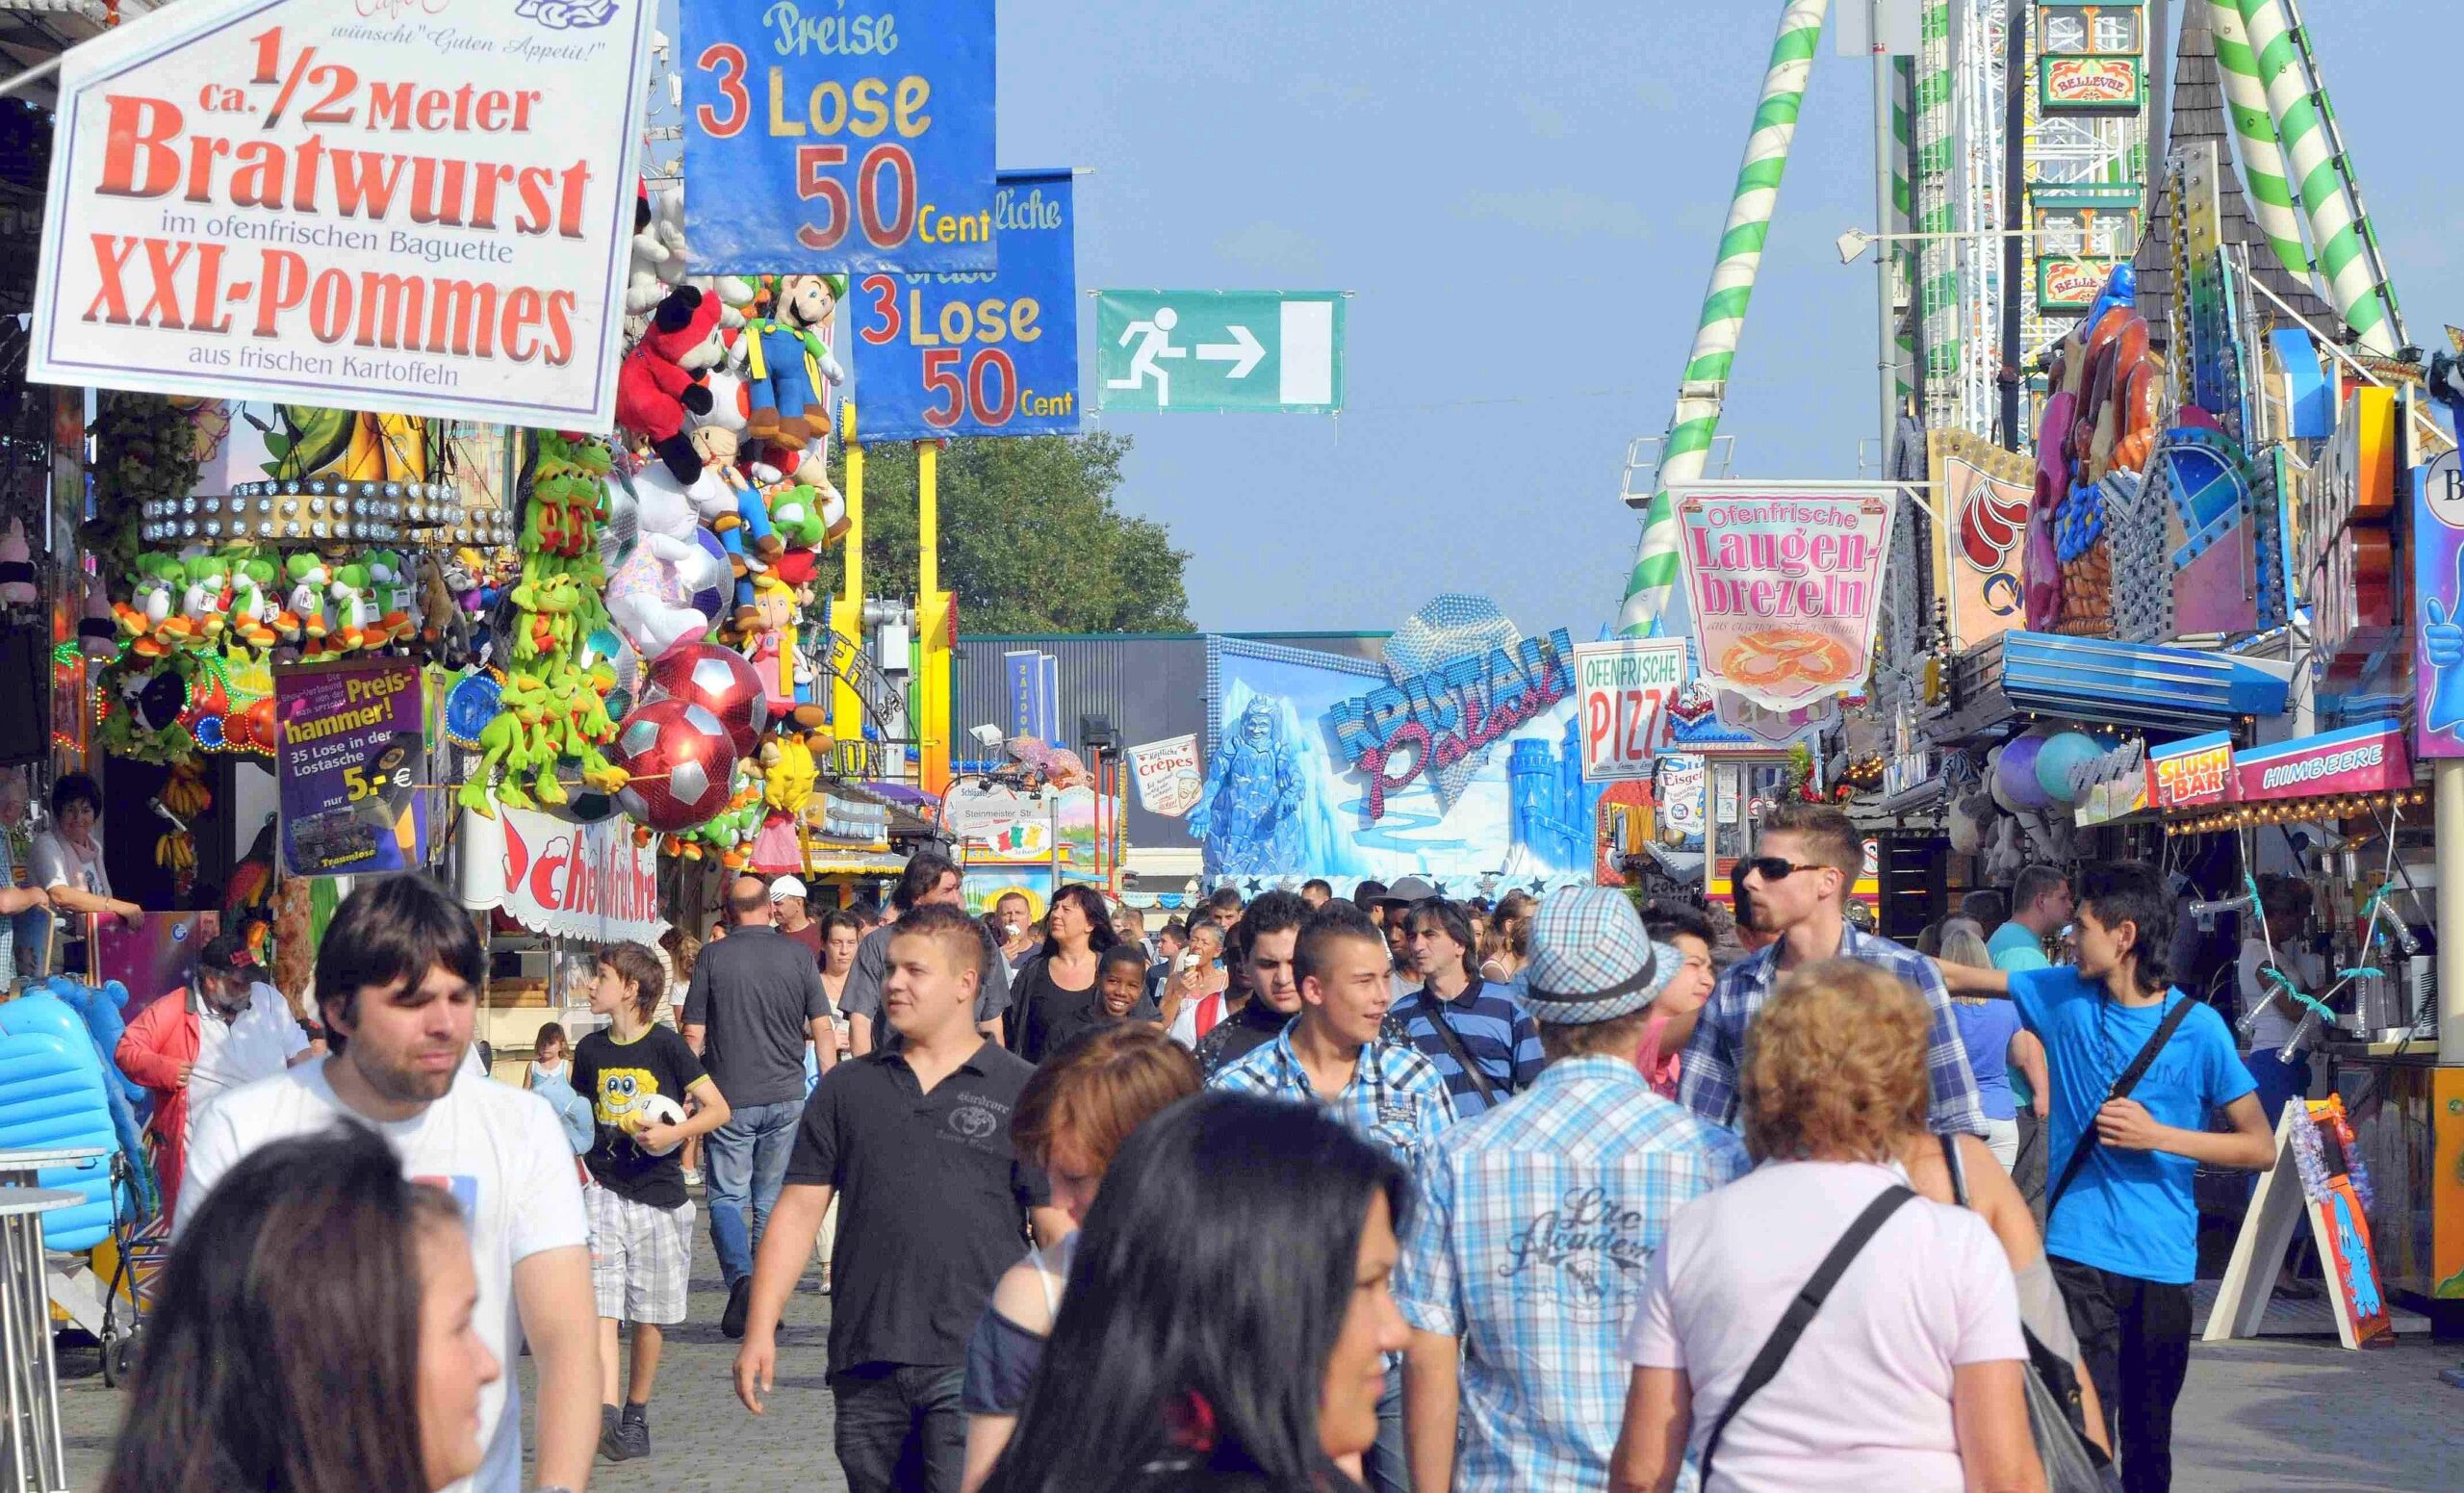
1806, 860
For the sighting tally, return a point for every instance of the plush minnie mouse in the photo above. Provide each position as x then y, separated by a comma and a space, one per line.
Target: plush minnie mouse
653, 390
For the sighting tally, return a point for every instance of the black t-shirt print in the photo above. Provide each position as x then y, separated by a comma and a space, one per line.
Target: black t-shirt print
616, 1077
933, 1201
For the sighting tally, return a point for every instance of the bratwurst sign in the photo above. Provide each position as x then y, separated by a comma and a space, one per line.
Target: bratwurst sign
419, 206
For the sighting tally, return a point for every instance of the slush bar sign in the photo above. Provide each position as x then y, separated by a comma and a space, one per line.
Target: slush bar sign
2189, 773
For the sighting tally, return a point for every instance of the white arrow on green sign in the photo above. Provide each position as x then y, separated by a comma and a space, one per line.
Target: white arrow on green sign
1212, 351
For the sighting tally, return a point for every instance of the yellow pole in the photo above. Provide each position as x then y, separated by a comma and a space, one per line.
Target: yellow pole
931, 622
847, 619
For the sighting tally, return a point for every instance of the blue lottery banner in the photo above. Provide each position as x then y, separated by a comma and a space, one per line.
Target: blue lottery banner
979, 354
846, 135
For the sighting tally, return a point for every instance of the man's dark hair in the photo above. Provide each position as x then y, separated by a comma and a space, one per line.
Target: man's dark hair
2134, 893
924, 872
1326, 927
1317, 884
2034, 882
1740, 902
640, 968
1455, 920
1984, 907
397, 928
1831, 836
1367, 894
952, 926
1225, 900
1665, 920
1174, 928
76, 788
1273, 913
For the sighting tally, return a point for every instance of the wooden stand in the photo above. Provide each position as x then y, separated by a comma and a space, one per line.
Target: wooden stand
2337, 1229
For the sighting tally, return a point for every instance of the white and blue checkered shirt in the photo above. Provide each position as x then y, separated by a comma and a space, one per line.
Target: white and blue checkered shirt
1396, 1098
1529, 1242
1708, 1080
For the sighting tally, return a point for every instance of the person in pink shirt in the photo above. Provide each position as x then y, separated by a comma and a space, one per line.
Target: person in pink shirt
1674, 1010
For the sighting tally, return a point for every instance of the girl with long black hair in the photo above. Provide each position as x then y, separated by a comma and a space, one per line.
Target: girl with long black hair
1186, 1358
1055, 989
314, 1334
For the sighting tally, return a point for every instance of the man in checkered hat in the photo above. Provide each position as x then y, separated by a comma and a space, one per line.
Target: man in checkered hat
1522, 1261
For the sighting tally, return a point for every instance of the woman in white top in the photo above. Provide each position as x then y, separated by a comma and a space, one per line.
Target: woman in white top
1909, 1375
69, 861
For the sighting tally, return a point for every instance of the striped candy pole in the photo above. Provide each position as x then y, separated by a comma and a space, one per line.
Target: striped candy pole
1715, 336
2328, 208
2272, 204
1938, 259
1903, 73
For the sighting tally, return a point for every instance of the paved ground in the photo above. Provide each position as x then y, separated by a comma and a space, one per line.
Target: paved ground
2275, 1414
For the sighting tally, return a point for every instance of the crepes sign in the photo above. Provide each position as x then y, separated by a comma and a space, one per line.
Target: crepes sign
1783, 583
418, 206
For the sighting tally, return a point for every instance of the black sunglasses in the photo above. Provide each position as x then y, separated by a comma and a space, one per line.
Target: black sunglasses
1772, 868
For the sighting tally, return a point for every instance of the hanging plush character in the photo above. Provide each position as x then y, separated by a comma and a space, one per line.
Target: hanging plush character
649, 597
17, 585
789, 359
653, 390
98, 629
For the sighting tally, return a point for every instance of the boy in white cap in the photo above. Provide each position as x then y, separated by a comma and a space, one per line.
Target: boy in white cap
1523, 1261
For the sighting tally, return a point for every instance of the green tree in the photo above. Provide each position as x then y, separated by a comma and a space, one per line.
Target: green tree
1030, 538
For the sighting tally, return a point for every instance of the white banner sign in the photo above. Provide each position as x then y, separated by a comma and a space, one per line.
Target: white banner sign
1623, 690
581, 881
416, 206
1169, 779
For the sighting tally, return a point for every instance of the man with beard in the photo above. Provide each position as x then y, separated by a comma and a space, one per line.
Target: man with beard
397, 981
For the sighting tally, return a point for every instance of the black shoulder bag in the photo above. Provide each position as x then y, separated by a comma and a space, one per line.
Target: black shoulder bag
1800, 1314
2129, 1080
1455, 1047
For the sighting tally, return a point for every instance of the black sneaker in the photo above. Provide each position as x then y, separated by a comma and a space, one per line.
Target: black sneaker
611, 1445
633, 1434
739, 1305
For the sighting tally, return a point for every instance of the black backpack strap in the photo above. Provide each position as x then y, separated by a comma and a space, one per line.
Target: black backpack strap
2129, 1080
1800, 1314
1446, 1033
1958, 1165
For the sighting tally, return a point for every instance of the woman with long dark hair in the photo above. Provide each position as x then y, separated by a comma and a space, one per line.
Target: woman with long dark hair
315, 1296
1054, 988
1186, 1359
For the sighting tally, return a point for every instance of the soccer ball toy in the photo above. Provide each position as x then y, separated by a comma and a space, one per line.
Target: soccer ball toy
720, 681
681, 762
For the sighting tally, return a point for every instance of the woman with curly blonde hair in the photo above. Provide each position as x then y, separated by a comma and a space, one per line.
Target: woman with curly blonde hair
1909, 1375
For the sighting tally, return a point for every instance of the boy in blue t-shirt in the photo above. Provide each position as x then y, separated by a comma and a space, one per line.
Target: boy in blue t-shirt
2123, 1238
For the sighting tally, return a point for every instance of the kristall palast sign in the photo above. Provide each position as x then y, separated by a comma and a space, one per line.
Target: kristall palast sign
419, 206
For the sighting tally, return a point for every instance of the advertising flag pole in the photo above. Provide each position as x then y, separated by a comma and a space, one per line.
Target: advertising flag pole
1703, 389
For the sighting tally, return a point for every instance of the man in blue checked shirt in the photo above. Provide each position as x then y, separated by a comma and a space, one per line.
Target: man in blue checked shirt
1523, 1260
1332, 1055
1455, 1015
1806, 860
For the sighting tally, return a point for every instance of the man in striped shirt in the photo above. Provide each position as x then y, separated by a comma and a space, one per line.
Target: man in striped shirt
1477, 1034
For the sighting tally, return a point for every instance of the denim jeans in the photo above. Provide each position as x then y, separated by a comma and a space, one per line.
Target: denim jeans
747, 1161
901, 1427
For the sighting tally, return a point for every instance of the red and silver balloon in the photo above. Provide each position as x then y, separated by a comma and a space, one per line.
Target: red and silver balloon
681, 761
720, 681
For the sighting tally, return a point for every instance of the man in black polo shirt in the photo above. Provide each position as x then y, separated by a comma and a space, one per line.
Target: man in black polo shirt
929, 880
755, 1001
915, 1138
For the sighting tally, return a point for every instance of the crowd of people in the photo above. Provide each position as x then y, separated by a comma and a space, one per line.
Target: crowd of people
1302, 1193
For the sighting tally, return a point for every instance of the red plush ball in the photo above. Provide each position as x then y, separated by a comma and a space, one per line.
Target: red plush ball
681, 764
720, 681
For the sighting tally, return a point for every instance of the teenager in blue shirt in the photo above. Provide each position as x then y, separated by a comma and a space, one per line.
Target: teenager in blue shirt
2123, 1236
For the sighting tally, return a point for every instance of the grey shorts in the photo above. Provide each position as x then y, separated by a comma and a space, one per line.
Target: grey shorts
641, 1258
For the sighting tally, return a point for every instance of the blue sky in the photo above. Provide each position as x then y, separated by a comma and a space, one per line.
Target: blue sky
1524, 199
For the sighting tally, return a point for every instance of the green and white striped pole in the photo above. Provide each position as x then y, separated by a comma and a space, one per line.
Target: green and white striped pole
2271, 195
1903, 74
2334, 221
1937, 288
1705, 387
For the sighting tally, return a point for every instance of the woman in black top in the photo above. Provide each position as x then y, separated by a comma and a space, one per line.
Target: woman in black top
1183, 1358
1054, 990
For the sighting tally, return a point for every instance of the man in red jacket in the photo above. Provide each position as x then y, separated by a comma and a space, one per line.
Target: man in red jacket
225, 1028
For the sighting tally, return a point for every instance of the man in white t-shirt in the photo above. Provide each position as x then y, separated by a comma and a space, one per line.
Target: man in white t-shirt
397, 985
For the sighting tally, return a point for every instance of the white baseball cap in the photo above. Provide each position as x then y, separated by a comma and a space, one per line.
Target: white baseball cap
786, 887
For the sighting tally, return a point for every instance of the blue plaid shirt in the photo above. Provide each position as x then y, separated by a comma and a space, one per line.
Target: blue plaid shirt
1529, 1242
1495, 1030
1394, 1099
1708, 1080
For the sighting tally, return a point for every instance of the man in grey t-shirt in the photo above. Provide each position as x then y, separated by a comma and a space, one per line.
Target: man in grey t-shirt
929, 879
755, 1001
